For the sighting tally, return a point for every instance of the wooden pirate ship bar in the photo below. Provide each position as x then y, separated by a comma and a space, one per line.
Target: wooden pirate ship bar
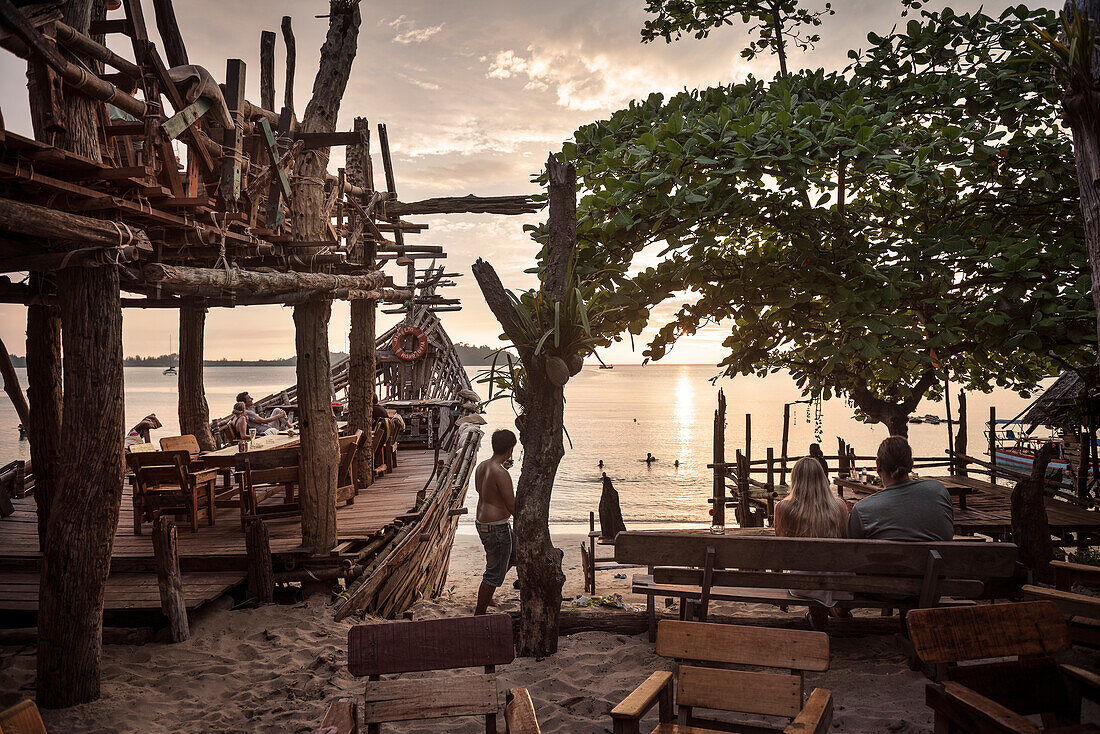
148, 176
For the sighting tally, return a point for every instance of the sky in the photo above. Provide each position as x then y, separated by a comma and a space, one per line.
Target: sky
475, 95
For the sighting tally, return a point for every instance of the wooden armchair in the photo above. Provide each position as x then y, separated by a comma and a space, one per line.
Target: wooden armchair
383, 428
779, 694
484, 641
22, 718
261, 474
995, 697
347, 484
164, 480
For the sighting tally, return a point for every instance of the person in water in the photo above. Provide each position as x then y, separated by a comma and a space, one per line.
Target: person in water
811, 510
496, 503
650, 458
600, 465
676, 463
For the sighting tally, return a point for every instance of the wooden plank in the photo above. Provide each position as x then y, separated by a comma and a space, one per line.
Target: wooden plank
270, 146
325, 140
954, 634
1071, 604
177, 124
722, 643
409, 699
822, 581
434, 644
976, 712
341, 715
642, 698
756, 552
233, 138
816, 716
770, 694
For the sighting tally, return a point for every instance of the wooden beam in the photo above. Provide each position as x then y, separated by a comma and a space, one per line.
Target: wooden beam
232, 141
325, 140
81, 43
288, 41
465, 205
65, 231
273, 217
178, 123
267, 69
174, 49
259, 282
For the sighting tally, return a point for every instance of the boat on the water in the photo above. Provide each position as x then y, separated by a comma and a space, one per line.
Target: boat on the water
169, 370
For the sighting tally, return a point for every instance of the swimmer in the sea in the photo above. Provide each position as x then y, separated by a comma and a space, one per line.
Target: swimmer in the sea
650, 458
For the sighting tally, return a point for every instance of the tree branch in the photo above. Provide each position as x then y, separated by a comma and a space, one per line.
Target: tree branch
501, 305
562, 225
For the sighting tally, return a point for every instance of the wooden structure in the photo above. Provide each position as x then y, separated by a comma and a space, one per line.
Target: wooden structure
148, 178
997, 695
747, 566
483, 642
779, 691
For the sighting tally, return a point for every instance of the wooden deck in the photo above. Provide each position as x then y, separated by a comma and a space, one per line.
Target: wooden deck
988, 511
214, 559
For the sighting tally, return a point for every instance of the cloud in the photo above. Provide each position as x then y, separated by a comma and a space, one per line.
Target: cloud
407, 32
430, 86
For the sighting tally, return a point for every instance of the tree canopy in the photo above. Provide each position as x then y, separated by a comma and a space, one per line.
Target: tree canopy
863, 230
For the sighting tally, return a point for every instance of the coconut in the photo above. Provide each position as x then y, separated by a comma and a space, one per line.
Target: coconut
557, 371
575, 363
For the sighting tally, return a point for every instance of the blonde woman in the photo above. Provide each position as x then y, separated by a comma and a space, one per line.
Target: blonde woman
239, 421
811, 510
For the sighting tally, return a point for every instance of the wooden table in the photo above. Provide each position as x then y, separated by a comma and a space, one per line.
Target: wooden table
960, 491
226, 458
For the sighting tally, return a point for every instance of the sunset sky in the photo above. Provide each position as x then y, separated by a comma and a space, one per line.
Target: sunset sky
474, 94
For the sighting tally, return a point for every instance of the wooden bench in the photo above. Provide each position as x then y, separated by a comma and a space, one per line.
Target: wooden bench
700, 567
995, 696
484, 641
778, 693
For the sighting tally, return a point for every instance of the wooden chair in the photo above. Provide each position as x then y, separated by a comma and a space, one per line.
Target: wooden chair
377, 446
1082, 610
22, 718
347, 485
164, 480
225, 435
141, 448
995, 697
187, 443
261, 474
484, 641
389, 445
779, 694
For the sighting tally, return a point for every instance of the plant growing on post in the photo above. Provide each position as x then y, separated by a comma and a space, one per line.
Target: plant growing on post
861, 231
552, 329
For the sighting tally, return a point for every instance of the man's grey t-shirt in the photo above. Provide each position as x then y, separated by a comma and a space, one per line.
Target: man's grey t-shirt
252, 420
913, 511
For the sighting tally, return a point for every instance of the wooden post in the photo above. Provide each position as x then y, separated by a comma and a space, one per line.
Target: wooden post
748, 437
267, 70
771, 483
783, 448
261, 574
320, 451
86, 489
288, 41
950, 425
232, 160
744, 516
362, 367
844, 466
718, 509
172, 601
992, 444
960, 437
174, 49
194, 413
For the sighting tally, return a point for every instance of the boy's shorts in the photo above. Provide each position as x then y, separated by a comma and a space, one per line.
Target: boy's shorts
497, 540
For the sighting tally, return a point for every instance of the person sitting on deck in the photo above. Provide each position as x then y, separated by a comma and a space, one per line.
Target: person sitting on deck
263, 426
904, 509
495, 504
811, 510
377, 411
239, 422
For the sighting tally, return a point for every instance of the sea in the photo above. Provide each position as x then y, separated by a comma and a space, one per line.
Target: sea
617, 416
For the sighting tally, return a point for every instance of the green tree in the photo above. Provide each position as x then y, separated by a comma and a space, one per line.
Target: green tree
774, 23
864, 230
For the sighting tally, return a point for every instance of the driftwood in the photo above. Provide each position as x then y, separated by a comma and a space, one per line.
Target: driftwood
11, 386
288, 41
1030, 530
169, 581
259, 282
464, 205
65, 231
611, 514
267, 69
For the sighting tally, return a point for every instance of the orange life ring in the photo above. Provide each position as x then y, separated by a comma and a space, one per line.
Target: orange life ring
399, 349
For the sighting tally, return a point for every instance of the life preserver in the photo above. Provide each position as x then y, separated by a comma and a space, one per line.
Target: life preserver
399, 349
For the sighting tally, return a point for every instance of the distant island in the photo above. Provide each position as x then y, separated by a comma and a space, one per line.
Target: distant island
470, 354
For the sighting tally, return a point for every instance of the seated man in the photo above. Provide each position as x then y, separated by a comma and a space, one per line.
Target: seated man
903, 509
263, 426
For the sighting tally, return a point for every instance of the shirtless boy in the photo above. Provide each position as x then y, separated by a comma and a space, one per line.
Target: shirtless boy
495, 504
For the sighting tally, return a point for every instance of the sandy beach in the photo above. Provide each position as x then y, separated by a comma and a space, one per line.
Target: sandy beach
276, 668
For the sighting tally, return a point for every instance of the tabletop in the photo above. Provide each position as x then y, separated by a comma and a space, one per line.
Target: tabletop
274, 441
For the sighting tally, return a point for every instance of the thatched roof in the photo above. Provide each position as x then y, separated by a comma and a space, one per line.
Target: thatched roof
1057, 406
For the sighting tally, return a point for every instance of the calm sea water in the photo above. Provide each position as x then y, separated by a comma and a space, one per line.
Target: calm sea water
615, 415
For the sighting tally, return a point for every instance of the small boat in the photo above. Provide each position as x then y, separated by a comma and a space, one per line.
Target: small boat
603, 366
1015, 449
916, 419
933, 419
169, 370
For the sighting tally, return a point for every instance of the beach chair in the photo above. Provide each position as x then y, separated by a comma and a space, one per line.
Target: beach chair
22, 718
390, 648
995, 696
262, 474
347, 485
164, 481
773, 694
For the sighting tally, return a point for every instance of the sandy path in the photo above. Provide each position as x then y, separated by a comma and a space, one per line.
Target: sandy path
275, 669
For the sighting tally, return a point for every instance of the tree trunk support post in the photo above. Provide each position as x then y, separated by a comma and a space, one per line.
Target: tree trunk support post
169, 581
261, 573
194, 413
363, 359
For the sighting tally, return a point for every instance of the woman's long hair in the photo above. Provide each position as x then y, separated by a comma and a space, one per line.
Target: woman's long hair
812, 510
